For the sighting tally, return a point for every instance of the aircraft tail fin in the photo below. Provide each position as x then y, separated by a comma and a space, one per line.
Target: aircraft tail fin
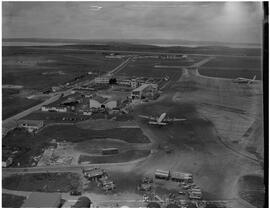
252, 80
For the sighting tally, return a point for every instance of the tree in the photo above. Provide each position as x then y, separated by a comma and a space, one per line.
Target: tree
112, 81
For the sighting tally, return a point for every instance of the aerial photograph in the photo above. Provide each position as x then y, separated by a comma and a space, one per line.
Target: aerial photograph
133, 104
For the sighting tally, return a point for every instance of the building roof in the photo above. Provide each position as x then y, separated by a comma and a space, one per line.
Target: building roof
39, 200
142, 87
94, 172
181, 175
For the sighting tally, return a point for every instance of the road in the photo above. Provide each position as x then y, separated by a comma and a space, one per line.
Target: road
139, 52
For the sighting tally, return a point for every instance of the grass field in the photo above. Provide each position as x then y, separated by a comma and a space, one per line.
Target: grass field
44, 182
233, 67
230, 73
24, 66
237, 62
9, 200
32, 145
74, 134
122, 157
146, 68
13, 104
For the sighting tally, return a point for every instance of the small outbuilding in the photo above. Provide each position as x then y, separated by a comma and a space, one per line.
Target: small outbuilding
31, 125
162, 174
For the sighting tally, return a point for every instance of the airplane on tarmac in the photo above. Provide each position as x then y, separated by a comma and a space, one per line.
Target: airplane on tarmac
241, 80
162, 120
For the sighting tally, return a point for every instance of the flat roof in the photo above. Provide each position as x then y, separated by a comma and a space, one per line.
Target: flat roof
142, 87
39, 200
181, 175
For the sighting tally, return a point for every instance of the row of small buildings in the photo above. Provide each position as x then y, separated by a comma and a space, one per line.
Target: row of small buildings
133, 82
174, 176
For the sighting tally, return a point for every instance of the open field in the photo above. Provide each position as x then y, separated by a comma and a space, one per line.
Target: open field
236, 62
12, 103
95, 146
233, 67
118, 158
74, 134
13, 201
230, 73
44, 182
146, 68
32, 145
21, 66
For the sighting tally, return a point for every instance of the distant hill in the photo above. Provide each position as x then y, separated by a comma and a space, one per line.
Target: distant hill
158, 42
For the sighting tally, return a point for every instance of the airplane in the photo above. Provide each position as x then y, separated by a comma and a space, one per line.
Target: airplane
161, 121
241, 80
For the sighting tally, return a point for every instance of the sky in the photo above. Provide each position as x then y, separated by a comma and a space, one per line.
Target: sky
237, 22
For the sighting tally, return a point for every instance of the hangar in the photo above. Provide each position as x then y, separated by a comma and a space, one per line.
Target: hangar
145, 90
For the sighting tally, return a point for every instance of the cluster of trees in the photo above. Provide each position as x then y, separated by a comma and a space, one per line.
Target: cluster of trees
112, 81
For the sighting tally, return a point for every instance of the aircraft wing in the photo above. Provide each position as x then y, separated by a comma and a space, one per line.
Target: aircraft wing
174, 119
157, 123
147, 117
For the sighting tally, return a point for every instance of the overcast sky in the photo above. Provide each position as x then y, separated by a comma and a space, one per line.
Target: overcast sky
225, 22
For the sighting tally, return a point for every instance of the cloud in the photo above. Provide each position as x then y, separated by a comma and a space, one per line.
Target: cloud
95, 8
217, 21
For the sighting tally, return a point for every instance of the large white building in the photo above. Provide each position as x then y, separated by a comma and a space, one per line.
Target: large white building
54, 109
103, 79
